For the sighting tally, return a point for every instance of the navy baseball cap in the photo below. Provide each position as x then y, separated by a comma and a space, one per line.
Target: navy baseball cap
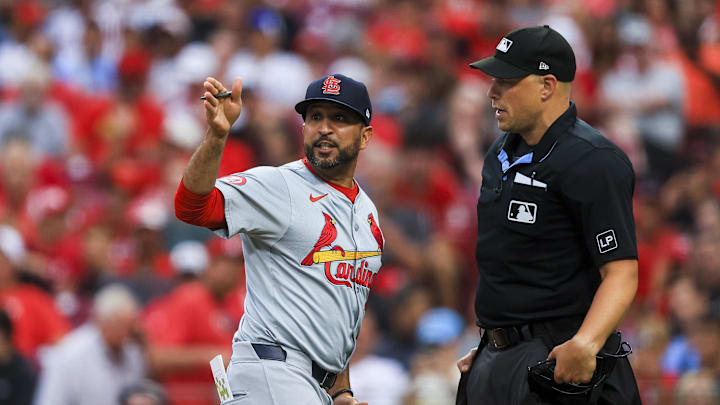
532, 50
339, 89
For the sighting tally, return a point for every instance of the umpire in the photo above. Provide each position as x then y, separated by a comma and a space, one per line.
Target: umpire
556, 247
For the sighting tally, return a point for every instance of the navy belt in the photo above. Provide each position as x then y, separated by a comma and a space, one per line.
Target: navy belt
269, 352
325, 378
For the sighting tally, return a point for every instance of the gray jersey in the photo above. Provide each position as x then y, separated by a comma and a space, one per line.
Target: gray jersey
310, 259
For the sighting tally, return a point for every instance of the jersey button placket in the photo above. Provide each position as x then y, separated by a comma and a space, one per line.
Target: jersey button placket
355, 227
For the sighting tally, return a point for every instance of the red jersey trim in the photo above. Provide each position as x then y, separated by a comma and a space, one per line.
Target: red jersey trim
206, 210
350, 193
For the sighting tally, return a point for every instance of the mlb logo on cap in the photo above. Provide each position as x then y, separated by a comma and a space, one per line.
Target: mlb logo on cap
530, 50
504, 45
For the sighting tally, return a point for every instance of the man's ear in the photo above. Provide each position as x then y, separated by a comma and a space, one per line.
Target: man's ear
549, 86
366, 134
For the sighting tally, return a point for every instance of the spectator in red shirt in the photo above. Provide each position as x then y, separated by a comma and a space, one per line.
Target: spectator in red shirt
193, 323
36, 321
124, 133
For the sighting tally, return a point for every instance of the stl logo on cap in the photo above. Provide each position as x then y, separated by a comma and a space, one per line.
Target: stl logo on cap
331, 85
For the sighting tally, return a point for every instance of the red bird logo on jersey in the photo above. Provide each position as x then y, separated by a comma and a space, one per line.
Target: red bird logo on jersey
377, 233
327, 236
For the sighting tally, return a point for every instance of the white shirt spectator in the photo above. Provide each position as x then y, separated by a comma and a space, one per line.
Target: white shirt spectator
92, 365
379, 380
33, 117
662, 81
559, 19
647, 89
80, 370
65, 27
45, 129
281, 77
15, 58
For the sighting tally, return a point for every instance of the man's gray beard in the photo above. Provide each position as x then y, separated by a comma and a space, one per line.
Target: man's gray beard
345, 156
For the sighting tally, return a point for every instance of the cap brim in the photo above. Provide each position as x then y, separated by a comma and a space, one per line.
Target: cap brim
302, 106
495, 67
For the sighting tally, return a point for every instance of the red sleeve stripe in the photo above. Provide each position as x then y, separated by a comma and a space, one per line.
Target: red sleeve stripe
206, 210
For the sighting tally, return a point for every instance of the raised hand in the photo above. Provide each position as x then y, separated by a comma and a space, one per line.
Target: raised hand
221, 113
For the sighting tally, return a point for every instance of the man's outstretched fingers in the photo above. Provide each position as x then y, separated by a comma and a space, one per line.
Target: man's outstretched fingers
236, 90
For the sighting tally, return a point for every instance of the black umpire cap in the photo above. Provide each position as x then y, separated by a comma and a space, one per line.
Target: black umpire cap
532, 50
339, 89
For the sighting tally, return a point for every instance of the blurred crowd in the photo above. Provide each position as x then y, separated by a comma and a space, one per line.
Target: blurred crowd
106, 298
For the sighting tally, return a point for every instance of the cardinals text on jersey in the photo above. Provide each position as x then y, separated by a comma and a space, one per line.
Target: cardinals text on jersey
345, 272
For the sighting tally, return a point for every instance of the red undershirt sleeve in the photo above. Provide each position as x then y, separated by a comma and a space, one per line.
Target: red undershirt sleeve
202, 210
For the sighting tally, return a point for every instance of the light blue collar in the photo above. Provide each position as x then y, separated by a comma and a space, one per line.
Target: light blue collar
505, 162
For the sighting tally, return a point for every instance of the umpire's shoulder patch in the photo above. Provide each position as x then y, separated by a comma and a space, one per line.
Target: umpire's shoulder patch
606, 241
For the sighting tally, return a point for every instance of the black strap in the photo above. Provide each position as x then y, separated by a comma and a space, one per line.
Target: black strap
552, 332
505, 338
325, 378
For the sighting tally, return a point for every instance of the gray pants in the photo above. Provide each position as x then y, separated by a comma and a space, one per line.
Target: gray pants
271, 382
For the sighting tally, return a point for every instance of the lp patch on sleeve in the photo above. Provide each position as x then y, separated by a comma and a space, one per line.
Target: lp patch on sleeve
606, 241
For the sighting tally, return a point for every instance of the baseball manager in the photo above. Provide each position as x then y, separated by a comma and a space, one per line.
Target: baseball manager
311, 240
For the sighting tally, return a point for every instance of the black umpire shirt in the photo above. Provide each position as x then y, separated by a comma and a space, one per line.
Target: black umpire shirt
548, 220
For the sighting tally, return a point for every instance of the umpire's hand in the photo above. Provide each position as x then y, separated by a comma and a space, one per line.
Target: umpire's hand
221, 113
465, 362
574, 361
